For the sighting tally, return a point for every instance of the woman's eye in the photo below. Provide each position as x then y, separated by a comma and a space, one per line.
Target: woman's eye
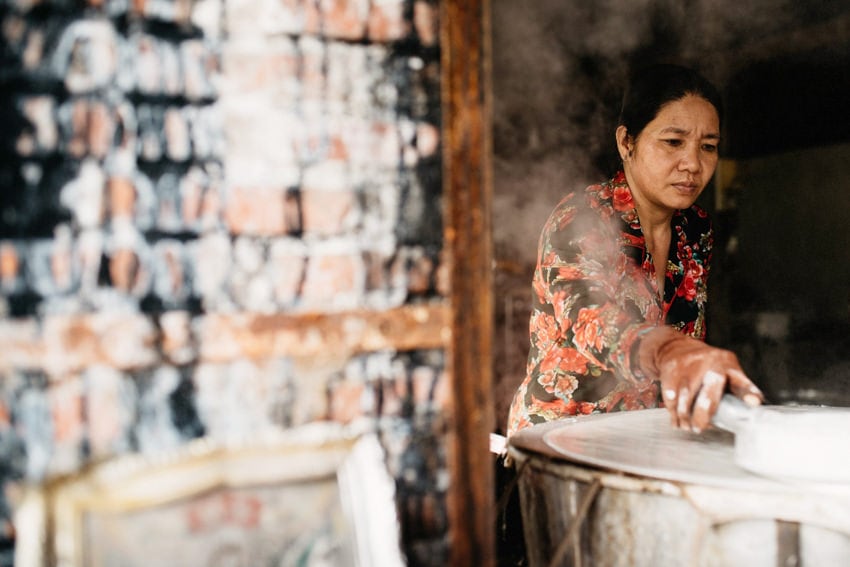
673, 142
709, 148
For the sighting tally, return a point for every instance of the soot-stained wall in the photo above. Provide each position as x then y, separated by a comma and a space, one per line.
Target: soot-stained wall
175, 177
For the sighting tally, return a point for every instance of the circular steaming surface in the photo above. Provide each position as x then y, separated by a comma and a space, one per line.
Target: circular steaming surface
644, 443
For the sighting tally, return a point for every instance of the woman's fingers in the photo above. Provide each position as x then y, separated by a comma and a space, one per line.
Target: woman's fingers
706, 402
695, 401
742, 387
670, 396
683, 407
693, 377
692, 390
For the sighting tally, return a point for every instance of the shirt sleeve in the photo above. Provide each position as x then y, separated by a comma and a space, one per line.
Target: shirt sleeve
584, 289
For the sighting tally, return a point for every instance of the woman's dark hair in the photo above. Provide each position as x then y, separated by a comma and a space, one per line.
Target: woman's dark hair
652, 87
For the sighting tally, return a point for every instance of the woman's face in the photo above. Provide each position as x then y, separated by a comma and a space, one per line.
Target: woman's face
674, 157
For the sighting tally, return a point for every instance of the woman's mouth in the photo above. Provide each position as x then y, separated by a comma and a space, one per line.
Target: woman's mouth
687, 187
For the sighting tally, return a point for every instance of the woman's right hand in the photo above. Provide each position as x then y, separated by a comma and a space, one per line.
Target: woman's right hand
693, 376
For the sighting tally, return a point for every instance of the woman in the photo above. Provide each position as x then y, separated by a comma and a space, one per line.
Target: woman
618, 316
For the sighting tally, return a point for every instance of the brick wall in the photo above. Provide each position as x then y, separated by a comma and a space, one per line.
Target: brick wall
209, 210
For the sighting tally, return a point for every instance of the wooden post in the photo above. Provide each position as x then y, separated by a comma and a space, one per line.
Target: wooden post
466, 92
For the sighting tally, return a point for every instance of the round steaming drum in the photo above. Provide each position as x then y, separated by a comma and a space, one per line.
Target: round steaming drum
626, 489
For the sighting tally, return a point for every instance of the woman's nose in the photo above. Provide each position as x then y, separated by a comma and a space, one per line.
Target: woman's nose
689, 160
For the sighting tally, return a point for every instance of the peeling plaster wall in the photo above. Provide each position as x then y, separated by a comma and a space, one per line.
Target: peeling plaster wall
175, 174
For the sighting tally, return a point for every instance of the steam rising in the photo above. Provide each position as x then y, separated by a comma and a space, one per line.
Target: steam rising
559, 70
559, 67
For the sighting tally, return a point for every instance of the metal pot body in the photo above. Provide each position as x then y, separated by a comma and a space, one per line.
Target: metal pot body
579, 514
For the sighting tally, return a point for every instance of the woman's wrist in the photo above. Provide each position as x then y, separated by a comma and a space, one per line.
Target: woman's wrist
652, 346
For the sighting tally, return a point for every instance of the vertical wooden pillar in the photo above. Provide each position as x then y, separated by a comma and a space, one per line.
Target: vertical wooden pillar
466, 92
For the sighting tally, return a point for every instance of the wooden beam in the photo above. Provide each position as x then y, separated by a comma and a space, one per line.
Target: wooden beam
69, 343
465, 59
227, 337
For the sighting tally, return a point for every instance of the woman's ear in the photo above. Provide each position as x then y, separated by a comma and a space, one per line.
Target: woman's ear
625, 144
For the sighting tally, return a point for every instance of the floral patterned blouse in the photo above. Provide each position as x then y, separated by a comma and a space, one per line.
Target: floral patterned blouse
594, 294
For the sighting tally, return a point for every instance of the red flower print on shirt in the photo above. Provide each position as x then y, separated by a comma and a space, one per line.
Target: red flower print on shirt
564, 216
540, 289
559, 305
561, 385
688, 287
588, 329
603, 192
550, 259
569, 273
695, 268
563, 360
623, 200
547, 329
559, 408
